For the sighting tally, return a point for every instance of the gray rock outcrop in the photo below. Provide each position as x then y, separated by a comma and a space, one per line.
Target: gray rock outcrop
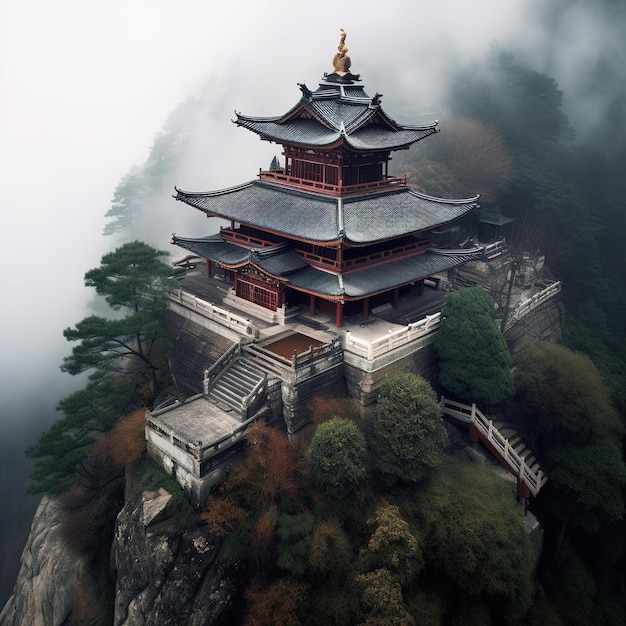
50, 575
167, 575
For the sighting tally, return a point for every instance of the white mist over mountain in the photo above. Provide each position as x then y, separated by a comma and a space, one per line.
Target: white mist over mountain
85, 86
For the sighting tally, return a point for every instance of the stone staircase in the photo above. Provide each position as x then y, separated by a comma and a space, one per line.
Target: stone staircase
238, 388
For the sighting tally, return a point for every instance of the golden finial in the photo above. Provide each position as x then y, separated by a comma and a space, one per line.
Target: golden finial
341, 61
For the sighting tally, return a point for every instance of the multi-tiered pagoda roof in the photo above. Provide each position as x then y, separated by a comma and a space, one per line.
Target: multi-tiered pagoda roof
330, 222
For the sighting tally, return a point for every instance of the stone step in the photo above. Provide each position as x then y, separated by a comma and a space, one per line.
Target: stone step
249, 369
240, 377
519, 448
225, 395
235, 384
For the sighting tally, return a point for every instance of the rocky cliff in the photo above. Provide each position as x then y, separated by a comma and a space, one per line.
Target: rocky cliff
166, 574
45, 591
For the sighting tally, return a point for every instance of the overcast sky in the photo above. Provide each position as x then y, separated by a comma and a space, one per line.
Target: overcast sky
85, 86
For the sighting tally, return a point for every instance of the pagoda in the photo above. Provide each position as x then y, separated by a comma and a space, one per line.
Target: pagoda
326, 228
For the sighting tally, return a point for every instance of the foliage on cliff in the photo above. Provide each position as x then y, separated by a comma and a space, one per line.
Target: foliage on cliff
314, 556
474, 361
126, 360
409, 436
132, 279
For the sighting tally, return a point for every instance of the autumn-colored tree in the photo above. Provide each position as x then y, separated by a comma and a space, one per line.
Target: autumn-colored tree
268, 474
330, 553
467, 157
322, 408
126, 442
282, 602
263, 542
392, 545
271, 469
382, 599
223, 513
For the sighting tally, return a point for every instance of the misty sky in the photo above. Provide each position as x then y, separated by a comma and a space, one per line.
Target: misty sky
85, 85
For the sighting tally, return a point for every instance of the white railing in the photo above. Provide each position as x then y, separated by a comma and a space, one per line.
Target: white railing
207, 309
533, 479
495, 249
533, 302
372, 348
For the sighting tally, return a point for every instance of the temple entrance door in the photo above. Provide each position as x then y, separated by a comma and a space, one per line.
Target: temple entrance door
263, 295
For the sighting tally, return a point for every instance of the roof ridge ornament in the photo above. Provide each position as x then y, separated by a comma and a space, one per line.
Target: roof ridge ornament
341, 60
342, 63
307, 94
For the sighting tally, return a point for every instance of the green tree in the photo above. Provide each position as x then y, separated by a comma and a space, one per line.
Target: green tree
474, 535
562, 393
127, 200
409, 436
61, 452
294, 537
132, 279
586, 482
474, 361
336, 459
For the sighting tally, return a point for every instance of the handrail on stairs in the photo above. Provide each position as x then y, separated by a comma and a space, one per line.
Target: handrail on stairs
470, 414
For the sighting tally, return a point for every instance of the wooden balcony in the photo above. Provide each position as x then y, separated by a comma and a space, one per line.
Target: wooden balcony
243, 239
387, 184
367, 260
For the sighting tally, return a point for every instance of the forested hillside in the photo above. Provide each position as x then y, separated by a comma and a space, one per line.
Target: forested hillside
343, 534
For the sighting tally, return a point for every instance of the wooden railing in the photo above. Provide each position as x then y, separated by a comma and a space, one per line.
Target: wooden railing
337, 190
533, 479
372, 348
231, 320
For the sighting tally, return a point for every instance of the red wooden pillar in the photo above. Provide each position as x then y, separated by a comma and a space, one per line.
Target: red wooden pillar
339, 314
208, 268
366, 308
396, 297
311, 304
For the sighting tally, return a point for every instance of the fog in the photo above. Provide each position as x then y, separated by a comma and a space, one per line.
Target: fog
85, 86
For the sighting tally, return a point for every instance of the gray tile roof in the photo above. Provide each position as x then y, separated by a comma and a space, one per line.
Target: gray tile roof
401, 272
281, 261
308, 132
265, 206
374, 218
213, 247
379, 278
334, 114
317, 218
